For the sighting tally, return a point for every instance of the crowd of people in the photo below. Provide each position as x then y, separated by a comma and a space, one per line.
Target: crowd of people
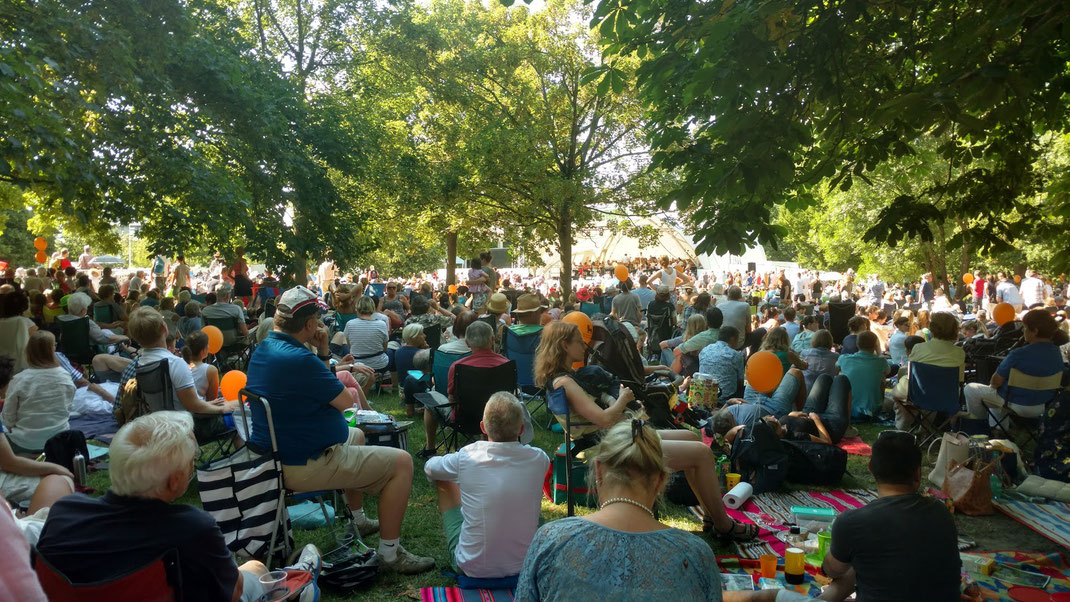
318, 350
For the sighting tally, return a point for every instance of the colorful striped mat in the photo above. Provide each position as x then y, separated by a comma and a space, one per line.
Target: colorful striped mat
1051, 520
742, 566
771, 511
1053, 565
456, 594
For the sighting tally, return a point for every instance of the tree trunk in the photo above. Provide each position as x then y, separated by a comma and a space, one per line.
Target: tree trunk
564, 249
451, 258
964, 265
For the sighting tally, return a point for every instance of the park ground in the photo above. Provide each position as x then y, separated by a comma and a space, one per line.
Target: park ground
422, 530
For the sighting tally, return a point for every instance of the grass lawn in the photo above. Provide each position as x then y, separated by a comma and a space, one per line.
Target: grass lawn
422, 530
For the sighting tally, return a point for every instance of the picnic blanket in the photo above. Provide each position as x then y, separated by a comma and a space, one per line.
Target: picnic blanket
1052, 520
1053, 565
855, 446
97, 425
771, 511
742, 566
456, 594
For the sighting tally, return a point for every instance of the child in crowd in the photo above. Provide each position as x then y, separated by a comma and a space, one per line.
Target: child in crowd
855, 326
205, 376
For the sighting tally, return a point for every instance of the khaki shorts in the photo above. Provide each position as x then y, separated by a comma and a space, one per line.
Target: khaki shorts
18, 488
348, 465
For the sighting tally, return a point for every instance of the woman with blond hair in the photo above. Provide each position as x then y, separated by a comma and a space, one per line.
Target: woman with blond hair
560, 347
776, 341
40, 398
620, 549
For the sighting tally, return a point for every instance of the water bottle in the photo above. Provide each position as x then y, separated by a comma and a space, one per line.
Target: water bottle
79, 469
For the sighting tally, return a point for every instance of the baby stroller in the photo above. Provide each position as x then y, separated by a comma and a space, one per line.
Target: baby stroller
617, 353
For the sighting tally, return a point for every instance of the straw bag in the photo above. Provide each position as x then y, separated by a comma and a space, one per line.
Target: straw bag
970, 488
953, 446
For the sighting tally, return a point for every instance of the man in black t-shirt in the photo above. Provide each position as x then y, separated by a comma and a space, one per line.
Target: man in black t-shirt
90, 540
901, 546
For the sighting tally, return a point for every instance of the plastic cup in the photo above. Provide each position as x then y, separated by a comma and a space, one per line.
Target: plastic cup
824, 539
343, 537
768, 562
794, 565
732, 479
273, 580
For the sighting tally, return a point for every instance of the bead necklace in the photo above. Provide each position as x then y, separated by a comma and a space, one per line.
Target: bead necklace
614, 500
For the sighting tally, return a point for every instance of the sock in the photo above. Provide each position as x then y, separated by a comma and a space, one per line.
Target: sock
388, 549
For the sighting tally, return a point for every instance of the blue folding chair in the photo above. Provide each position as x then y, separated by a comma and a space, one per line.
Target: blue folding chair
1026, 390
440, 368
557, 403
521, 349
932, 390
591, 309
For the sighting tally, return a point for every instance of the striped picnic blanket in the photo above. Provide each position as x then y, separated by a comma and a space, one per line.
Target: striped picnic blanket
456, 594
1051, 520
770, 511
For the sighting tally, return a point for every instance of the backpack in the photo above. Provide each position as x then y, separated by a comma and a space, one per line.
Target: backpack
61, 448
813, 463
1053, 442
760, 457
131, 403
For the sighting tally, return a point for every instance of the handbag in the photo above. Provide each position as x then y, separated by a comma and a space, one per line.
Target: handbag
970, 488
953, 446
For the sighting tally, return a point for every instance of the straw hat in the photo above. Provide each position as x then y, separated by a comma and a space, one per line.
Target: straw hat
498, 303
527, 303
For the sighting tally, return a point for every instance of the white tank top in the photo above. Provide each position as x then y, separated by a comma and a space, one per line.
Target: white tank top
200, 379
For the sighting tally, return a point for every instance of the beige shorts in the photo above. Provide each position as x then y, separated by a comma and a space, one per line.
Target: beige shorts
347, 465
18, 488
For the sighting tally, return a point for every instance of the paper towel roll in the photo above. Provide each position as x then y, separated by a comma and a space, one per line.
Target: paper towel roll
738, 496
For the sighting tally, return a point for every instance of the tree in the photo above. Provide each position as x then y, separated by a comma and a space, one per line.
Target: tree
154, 111
540, 149
753, 103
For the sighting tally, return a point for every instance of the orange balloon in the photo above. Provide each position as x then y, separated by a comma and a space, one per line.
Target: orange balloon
621, 272
41, 257
1017, 278
215, 338
232, 382
764, 371
40, 243
1003, 313
967, 278
452, 289
581, 320
679, 269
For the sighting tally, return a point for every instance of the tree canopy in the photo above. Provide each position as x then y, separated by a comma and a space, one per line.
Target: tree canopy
754, 104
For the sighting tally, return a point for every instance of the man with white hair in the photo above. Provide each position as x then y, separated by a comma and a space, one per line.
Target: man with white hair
1032, 290
480, 338
77, 307
91, 540
489, 494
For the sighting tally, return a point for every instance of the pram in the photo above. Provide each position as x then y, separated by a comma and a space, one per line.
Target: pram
616, 352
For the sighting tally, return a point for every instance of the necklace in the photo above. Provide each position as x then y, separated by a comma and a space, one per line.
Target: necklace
614, 500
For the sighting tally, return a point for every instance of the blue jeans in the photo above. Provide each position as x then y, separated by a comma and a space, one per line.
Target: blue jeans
828, 399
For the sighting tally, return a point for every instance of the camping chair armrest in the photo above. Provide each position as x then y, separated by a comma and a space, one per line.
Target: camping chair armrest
428, 401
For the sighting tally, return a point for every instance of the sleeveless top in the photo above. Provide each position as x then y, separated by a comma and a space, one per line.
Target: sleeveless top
394, 305
200, 379
784, 361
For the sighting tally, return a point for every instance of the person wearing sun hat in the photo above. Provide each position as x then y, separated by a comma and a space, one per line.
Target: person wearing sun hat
318, 449
529, 310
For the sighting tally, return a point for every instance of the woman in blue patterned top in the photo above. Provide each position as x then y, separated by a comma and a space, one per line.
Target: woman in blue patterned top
620, 552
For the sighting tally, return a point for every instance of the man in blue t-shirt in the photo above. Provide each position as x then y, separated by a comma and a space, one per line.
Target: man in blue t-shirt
319, 451
1027, 378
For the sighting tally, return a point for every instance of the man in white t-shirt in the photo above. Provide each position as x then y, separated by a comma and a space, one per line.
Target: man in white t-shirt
489, 493
1031, 289
180, 274
147, 327
85, 260
327, 273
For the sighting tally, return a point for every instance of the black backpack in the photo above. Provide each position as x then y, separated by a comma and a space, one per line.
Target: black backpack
658, 328
813, 463
61, 448
760, 457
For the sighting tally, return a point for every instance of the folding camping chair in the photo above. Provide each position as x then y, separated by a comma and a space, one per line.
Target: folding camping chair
158, 581
933, 392
521, 349
276, 544
440, 368
75, 343
1024, 389
235, 353
557, 403
472, 387
591, 309
154, 383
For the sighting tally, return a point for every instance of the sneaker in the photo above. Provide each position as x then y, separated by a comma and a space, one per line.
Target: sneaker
308, 560
364, 525
424, 454
408, 563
